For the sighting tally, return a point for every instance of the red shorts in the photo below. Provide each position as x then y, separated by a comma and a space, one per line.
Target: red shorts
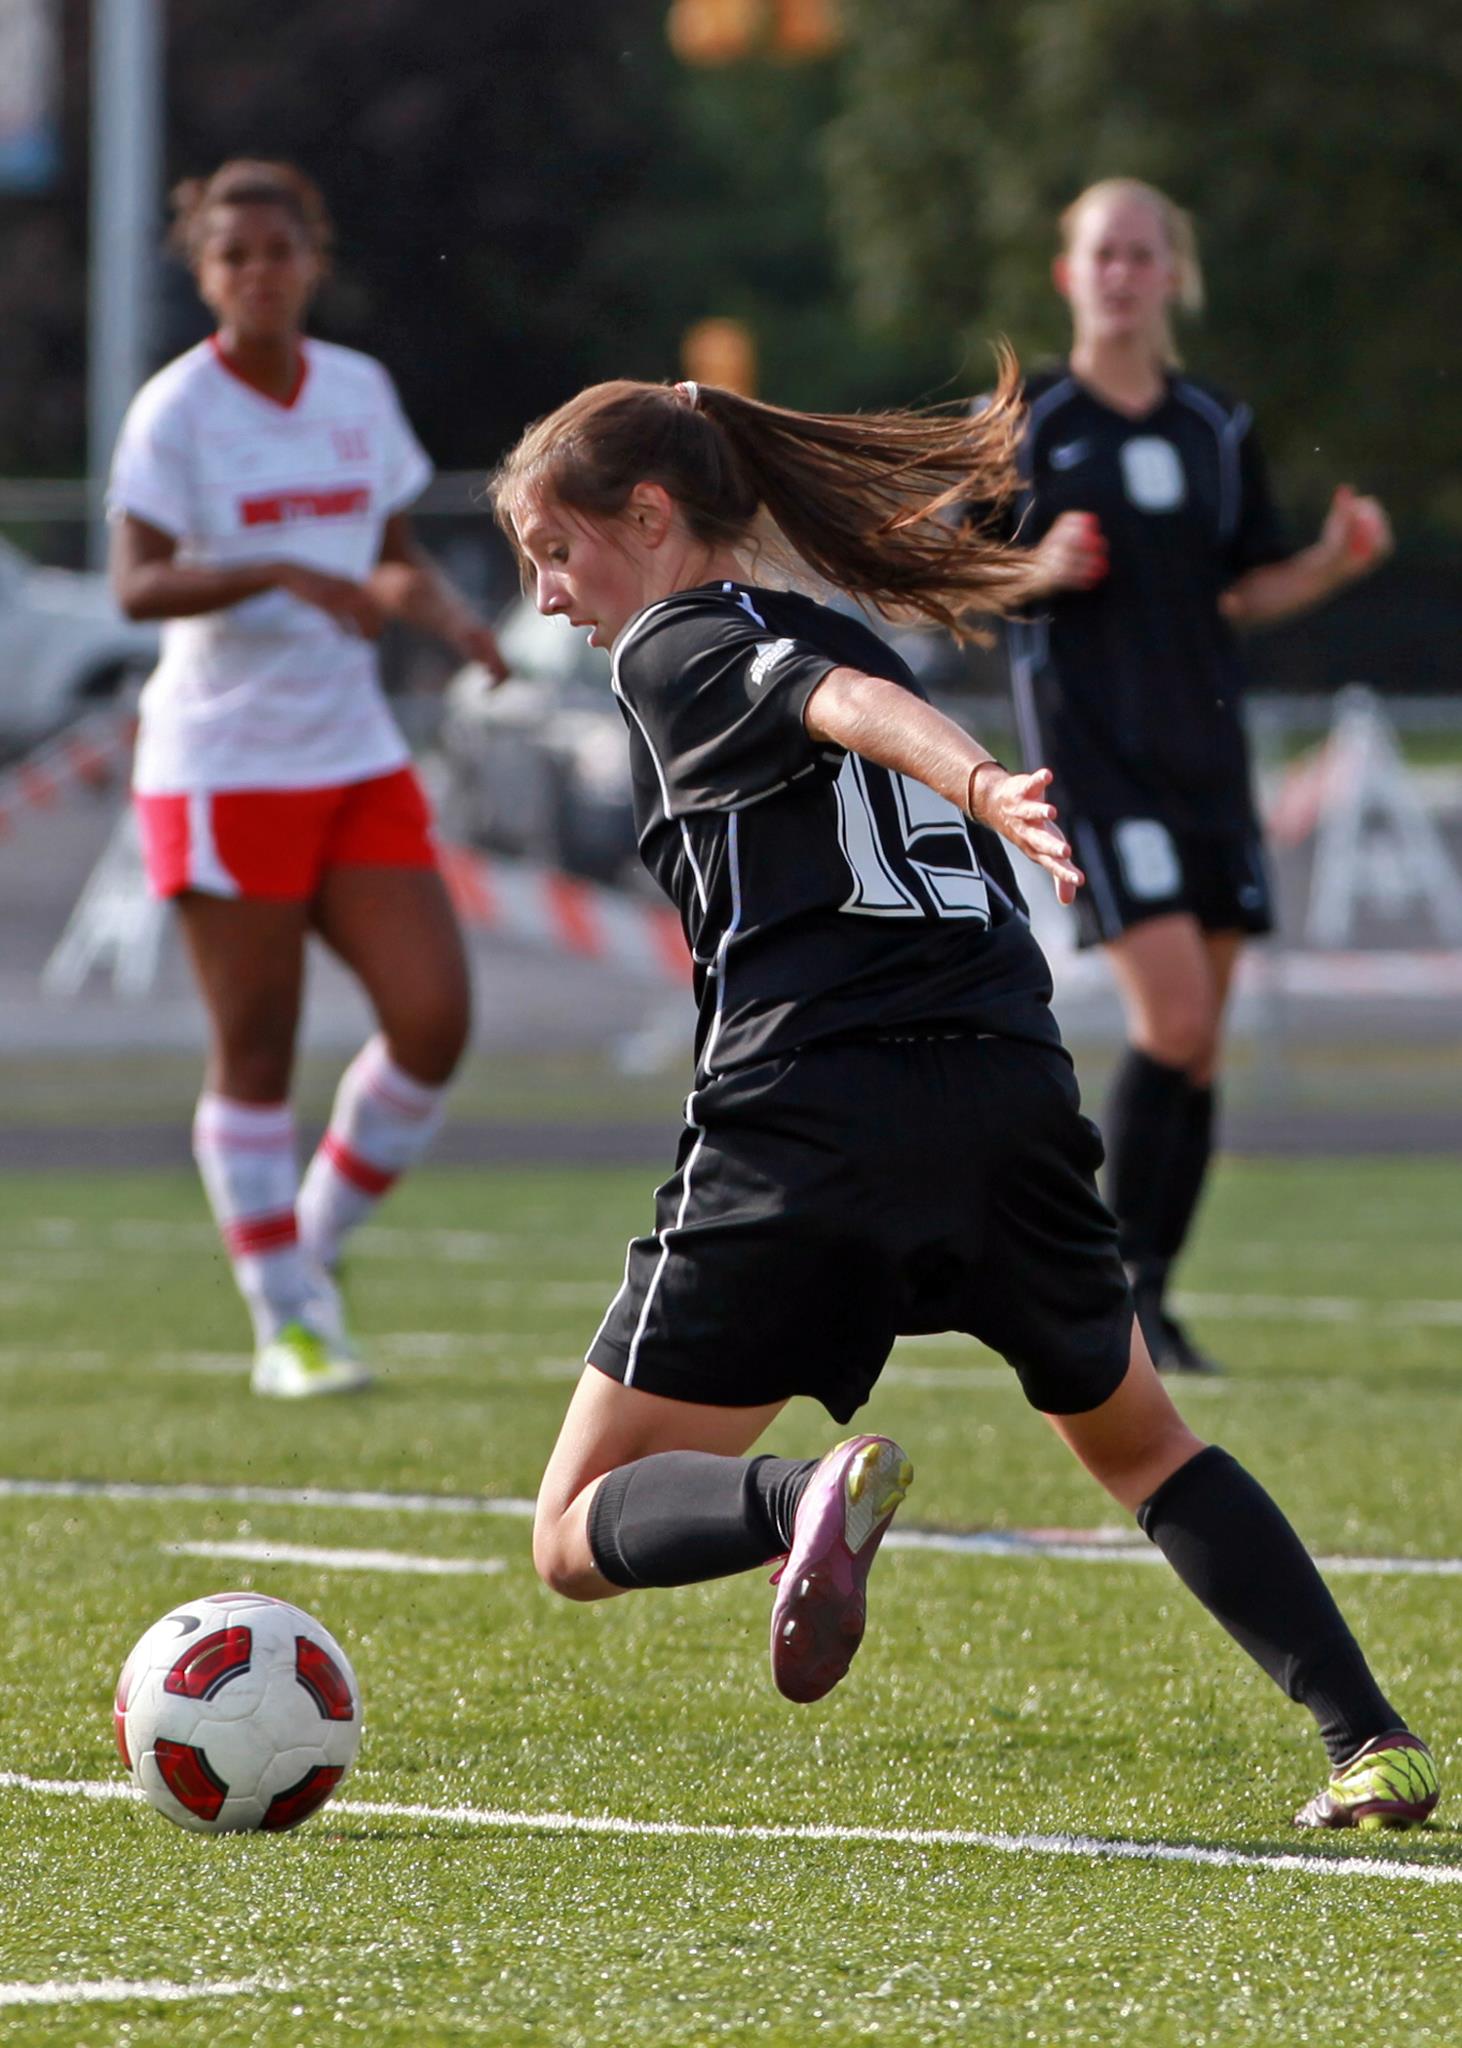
278, 843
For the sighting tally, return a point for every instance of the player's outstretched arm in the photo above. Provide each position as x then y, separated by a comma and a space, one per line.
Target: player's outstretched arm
882, 721
1355, 539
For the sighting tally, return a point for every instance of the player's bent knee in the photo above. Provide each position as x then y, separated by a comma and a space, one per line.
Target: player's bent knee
1135, 1471
562, 1565
1181, 1038
429, 1045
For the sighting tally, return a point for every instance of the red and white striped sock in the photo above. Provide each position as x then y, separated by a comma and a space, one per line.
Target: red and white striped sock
246, 1156
381, 1122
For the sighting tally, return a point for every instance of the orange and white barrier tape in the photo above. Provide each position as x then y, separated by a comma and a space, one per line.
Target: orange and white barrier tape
91, 754
542, 907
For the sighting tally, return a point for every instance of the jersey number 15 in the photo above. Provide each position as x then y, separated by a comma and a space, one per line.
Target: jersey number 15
908, 850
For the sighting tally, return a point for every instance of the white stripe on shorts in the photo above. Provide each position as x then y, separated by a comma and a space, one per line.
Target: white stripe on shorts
205, 869
654, 1287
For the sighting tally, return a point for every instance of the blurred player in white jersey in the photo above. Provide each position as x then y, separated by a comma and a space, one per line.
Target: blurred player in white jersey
257, 500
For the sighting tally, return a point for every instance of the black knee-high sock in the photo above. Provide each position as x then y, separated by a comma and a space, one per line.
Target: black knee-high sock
1234, 1550
1146, 1113
1189, 1171
683, 1516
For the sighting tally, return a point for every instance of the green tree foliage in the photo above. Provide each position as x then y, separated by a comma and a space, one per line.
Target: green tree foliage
1318, 142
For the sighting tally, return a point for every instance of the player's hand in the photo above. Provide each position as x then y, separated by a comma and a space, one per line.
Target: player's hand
479, 643
350, 605
1356, 534
1015, 806
1073, 555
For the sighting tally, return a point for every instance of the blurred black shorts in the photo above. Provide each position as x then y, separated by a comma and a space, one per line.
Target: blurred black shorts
1140, 868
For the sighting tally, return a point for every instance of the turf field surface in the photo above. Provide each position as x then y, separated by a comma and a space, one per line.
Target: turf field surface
602, 1825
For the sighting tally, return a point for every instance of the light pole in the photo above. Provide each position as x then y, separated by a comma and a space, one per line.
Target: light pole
126, 165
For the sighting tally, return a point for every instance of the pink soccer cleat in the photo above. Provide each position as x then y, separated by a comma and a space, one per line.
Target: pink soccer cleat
820, 1611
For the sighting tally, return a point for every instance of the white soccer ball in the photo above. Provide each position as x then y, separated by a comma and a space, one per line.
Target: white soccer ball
237, 1711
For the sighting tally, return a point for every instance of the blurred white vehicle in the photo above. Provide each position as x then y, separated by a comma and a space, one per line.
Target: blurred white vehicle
539, 766
64, 647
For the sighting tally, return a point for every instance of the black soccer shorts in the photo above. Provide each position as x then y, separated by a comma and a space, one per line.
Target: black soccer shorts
829, 1201
1140, 868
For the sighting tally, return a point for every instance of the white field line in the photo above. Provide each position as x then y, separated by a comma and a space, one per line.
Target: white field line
417, 1353
340, 1560
116, 1991
1322, 1308
470, 1246
1019, 1546
1091, 1847
401, 1358
364, 1499
1100, 1546
144, 1234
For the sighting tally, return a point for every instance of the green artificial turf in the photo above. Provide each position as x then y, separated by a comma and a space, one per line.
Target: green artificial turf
1005, 1697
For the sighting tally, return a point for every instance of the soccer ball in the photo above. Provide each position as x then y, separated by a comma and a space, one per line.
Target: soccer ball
237, 1711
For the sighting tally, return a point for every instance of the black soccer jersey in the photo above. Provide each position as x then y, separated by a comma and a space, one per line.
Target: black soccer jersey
1130, 692
823, 897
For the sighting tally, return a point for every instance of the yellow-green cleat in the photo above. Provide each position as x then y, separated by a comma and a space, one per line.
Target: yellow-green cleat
1392, 1782
299, 1363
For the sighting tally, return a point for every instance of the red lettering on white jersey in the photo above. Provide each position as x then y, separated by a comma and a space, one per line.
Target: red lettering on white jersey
278, 508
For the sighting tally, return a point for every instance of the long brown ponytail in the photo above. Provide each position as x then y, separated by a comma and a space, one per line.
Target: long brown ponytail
875, 503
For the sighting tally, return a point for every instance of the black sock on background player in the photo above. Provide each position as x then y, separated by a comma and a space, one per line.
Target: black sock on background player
1159, 1133
1146, 1116
1188, 1171
679, 1517
1235, 1551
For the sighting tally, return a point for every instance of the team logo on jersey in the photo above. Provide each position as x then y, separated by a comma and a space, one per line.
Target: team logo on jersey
352, 444
282, 508
1069, 454
1153, 474
766, 658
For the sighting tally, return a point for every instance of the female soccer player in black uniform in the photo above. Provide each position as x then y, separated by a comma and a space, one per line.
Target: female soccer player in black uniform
1144, 497
884, 1134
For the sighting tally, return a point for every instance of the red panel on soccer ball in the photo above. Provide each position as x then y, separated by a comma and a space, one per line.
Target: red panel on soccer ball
190, 1778
210, 1663
321, 1676
297, 1802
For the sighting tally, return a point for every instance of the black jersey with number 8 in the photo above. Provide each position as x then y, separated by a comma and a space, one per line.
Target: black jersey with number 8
822, 896
1130, 691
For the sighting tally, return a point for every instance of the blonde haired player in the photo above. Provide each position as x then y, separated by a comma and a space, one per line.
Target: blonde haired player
1146, 507
257, 500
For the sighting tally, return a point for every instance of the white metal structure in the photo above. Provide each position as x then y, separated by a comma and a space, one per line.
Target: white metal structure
126, 163
1376, 847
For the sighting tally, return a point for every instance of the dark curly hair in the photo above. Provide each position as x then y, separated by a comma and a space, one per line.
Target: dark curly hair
249, 181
